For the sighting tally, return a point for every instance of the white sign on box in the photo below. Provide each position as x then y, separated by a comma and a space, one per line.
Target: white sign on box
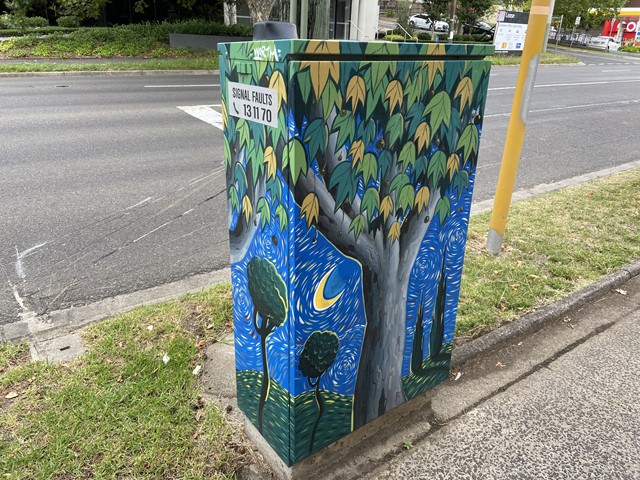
256, 104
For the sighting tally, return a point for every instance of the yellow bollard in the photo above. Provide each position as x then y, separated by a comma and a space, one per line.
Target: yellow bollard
534, 40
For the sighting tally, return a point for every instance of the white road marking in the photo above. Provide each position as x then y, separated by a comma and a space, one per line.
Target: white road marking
569, 107
24, 254
616, 70
139, 203
183, 86
576, 84
154, 230
206, 113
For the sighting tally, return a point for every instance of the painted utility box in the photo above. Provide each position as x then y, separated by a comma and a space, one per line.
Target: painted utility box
350, 168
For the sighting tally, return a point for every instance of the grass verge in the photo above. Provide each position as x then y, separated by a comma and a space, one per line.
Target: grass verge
555, 244
545, 59
121, 411
161, 64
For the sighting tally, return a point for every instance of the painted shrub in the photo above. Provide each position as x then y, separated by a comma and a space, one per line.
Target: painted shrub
359, 201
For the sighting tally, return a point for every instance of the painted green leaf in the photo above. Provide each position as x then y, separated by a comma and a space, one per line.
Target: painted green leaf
453, 71
316, 136
357, 225
373, 102
227, 152
242, 130
461, 182
240, 178
234, 199
295, 158
280, 133
407, 155
331, 97
304, 83
385, 160
468, 142
345, 125
254, 159
437, 166
415, 117
440, 110
382, 48
413, 88
263, 209
443, 207
399, 181
343, 180
275, 189
367, 132
395, 129
421, 165
283, 218
370, 202
369, 167
406, 198
455, 126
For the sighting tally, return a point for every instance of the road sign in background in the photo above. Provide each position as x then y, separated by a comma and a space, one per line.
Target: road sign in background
511, 31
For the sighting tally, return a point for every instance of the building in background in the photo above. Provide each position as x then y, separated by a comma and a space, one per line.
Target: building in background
630, 17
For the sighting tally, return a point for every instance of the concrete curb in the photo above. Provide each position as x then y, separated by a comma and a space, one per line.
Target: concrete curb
112, 73
544, 315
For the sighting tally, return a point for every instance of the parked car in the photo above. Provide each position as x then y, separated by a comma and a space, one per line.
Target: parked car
605, 43
480, 28
423, 22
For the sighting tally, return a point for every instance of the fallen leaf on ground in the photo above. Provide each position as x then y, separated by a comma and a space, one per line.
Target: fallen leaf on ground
458, 375
196, 371
150, 327
11, 395
166, 358
621, 292
500, 365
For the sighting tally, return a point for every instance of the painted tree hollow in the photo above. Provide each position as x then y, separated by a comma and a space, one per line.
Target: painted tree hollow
348, 211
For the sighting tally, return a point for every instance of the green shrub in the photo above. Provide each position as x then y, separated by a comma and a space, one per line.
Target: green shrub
400, 38
629, 49
6, 21
424, 37
68, 21
36, 22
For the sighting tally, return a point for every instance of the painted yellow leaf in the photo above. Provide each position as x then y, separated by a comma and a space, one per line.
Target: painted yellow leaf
464, 91
276, 82
394, 232
322, 46
435, 67
422, 198
319, 72
310, 209
422, 136
394, 94
270, 161
225, 115
247, 209
386, 207
453, 165
356, 91
356, 152
436, 49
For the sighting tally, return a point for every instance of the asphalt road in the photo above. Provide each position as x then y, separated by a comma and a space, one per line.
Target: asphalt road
106, 187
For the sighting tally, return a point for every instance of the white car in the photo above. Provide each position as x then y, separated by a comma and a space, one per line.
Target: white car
423, 22
604, 42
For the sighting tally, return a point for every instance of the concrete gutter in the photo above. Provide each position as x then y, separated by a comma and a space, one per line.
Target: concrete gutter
120, 73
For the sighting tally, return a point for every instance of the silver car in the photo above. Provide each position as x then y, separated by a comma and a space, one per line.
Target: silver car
422, 21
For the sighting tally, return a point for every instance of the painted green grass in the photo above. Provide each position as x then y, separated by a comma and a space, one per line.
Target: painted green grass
334, 423
119, 411
555, 244
414, 385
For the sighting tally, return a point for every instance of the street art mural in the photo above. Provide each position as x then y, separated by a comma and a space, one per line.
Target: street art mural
350, 169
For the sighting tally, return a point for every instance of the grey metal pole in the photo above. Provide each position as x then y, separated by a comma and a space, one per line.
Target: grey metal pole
452, 23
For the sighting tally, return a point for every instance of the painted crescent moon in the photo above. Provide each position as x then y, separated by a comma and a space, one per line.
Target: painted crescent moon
319, 302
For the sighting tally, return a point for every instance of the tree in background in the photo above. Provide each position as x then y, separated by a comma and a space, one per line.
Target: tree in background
470, 11
82, 9
437, 9
593, 13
